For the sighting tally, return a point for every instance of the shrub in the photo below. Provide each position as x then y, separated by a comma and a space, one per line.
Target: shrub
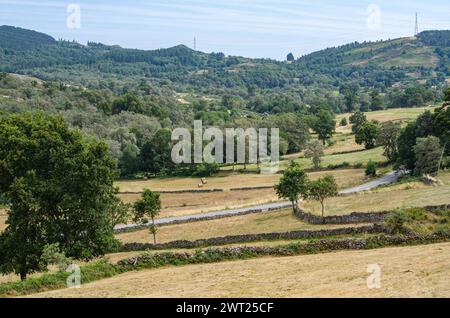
371, 169
396, 221
3, 200
52, 255
446, 163
206, 170
343, 122
344, 164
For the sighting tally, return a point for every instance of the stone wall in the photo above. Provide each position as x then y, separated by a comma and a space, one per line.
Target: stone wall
354, 217
177, 191
205, 218
246, 238
153, 260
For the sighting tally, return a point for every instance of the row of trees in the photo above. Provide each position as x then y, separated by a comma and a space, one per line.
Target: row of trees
294, 185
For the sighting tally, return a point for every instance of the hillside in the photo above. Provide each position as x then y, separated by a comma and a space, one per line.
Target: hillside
29, 52
124, 96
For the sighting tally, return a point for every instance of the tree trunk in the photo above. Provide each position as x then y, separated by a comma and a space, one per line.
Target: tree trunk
323, 209
23, 275
440, 159
293, 206
154, 232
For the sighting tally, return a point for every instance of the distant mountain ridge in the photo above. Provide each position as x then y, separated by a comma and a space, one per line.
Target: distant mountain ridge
423, 57
18, 39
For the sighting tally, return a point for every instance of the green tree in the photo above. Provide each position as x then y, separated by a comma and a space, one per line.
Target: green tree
293, 184
405, 144
343, 122
155, 155
59, 189
422, 127
367, 134
129, 102
357, 119
321, 189
314, 150
427, 153
324, 125
148, 206
293, 128
351, 95
371, 169
290, 57
129, 161
120, 211
441, 127
447, 95
388, 138
377, 101
441, 124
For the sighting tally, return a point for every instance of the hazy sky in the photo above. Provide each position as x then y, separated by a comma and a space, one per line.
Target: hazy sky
253, 28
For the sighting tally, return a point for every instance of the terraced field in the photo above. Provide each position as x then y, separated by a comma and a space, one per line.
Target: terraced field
415, 271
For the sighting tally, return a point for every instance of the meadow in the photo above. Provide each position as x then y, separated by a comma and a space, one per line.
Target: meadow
411, 271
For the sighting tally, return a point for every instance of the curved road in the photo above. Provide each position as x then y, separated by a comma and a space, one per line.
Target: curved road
389, 178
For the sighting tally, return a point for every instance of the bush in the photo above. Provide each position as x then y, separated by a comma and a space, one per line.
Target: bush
397, 220
52, 255
345, 164
358, 165
3, 201
343, 122
205, 170
446, 163
371, 169
58, 280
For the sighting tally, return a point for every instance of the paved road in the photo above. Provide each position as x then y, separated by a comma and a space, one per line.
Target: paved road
389, 178
206, 215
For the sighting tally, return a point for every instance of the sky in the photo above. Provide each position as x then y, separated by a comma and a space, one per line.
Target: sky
251, 28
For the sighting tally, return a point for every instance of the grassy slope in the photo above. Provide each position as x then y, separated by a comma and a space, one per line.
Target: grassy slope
417, 271
399, 52
226, 181
189, 203
411, 194
277, 221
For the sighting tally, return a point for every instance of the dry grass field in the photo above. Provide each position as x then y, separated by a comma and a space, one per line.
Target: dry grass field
414, 271
411, 194
175, 204
352, 158
394, 114
343, 142
226, 181
275, 221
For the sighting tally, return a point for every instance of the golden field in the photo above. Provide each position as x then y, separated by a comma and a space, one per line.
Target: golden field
412, 271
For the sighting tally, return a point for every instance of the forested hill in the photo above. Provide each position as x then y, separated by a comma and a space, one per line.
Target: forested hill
29, 52
403, 72
12, 38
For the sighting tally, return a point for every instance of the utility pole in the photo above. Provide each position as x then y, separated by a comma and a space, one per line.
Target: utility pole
195, 43
416, 29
